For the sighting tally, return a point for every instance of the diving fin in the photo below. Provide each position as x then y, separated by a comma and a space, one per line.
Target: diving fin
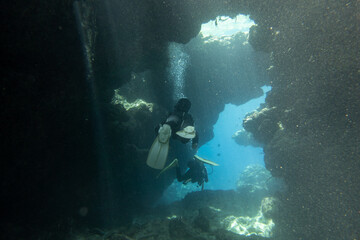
159, 149
187, 181
188, 132
172, 164
205, 160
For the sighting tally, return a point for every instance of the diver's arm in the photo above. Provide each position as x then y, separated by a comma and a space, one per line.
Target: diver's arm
162, 123
173, 120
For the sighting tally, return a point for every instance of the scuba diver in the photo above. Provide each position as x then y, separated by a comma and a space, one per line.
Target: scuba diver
196, 173
179, 125
182, 123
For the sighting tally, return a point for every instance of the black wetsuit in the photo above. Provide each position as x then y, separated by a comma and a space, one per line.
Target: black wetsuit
196, 173
177, 121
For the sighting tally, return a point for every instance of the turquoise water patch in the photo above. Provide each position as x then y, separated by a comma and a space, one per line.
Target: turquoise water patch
222, 149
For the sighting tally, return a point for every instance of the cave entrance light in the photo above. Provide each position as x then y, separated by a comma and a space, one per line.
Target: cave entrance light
226, 26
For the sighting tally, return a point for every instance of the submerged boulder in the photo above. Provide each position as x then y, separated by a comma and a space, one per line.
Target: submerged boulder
263, 124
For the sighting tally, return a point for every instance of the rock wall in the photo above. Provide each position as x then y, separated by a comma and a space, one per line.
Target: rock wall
315, 96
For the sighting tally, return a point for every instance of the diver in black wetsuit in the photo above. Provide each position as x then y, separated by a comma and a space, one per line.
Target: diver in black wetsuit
179, 125
179, 119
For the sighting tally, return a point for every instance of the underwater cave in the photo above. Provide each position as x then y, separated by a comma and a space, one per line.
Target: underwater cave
275, 99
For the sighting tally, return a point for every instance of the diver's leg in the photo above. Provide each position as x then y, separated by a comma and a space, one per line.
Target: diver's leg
179, 177
183, 178
187, 177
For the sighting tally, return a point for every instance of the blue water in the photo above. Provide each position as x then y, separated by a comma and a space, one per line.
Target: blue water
222, 149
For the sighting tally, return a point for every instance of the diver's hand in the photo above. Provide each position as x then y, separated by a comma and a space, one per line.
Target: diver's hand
194, 146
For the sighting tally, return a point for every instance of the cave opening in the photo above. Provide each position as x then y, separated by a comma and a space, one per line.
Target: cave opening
221, 48
226, 26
